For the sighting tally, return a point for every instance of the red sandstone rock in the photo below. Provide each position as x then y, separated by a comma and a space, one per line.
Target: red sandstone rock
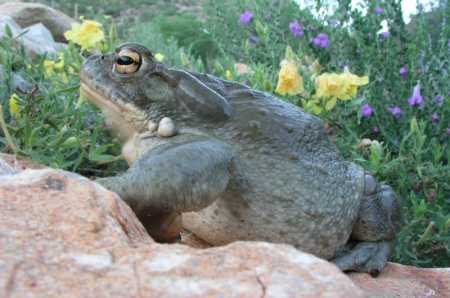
62, 235
406, 281
19, 163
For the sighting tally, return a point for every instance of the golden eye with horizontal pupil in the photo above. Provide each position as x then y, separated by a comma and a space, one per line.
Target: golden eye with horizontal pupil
127, 62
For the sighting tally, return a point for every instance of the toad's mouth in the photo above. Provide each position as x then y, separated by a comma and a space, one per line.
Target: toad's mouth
99, 99
123, 121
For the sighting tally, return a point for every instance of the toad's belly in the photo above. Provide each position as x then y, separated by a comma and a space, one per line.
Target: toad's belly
229, 219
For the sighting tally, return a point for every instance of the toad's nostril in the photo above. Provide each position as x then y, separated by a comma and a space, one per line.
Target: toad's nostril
102, 57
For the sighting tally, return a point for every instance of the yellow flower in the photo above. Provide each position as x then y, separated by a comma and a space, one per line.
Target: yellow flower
342, 86
228, 75
50, 66
71, 70
159, 57
329, 85
60, 64
353, 82
289, 80
14, 106
64, 78
88, 34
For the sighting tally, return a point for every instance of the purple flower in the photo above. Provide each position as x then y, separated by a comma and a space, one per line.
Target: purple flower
321, 41
448, 42
448, 131
296, 29
396, 111
366, 111
246, 17
375, 129
416, 99
379, 10
404, 71
385, 34
439, 100
435, 117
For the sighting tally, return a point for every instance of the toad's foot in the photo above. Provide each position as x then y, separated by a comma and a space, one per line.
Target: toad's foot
368, 257
374, 230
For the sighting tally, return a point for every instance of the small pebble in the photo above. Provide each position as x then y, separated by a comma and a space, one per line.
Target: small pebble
365, 143
166, 128
152, 126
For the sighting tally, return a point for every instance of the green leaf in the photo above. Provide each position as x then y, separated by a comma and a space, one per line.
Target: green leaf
290, 55
8, 31
260, 29
356, 102
414, 127
70, 142
331, 103
420, 209
98, 157
376, 155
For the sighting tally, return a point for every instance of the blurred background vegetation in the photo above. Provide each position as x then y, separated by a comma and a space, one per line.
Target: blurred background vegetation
410, 151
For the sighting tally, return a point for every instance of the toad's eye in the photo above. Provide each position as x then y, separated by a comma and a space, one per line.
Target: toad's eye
127, 62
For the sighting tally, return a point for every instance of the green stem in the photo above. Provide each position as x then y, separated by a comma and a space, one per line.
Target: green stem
425, 234
8, 137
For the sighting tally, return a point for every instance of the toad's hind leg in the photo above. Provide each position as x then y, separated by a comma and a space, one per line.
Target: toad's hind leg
374, 230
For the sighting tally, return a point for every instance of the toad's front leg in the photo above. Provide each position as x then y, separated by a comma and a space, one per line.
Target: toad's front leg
171, 179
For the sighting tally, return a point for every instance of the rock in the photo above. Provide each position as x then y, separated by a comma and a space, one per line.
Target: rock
166, 128
27, 14
19, 163
405, 281
5, 168
36, 39
16, 82
38, 32
62, 235
8, 21
395, 281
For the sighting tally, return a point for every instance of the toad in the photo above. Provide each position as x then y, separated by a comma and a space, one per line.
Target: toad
231, 163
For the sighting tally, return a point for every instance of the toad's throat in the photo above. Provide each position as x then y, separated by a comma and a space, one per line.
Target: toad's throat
123, 120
